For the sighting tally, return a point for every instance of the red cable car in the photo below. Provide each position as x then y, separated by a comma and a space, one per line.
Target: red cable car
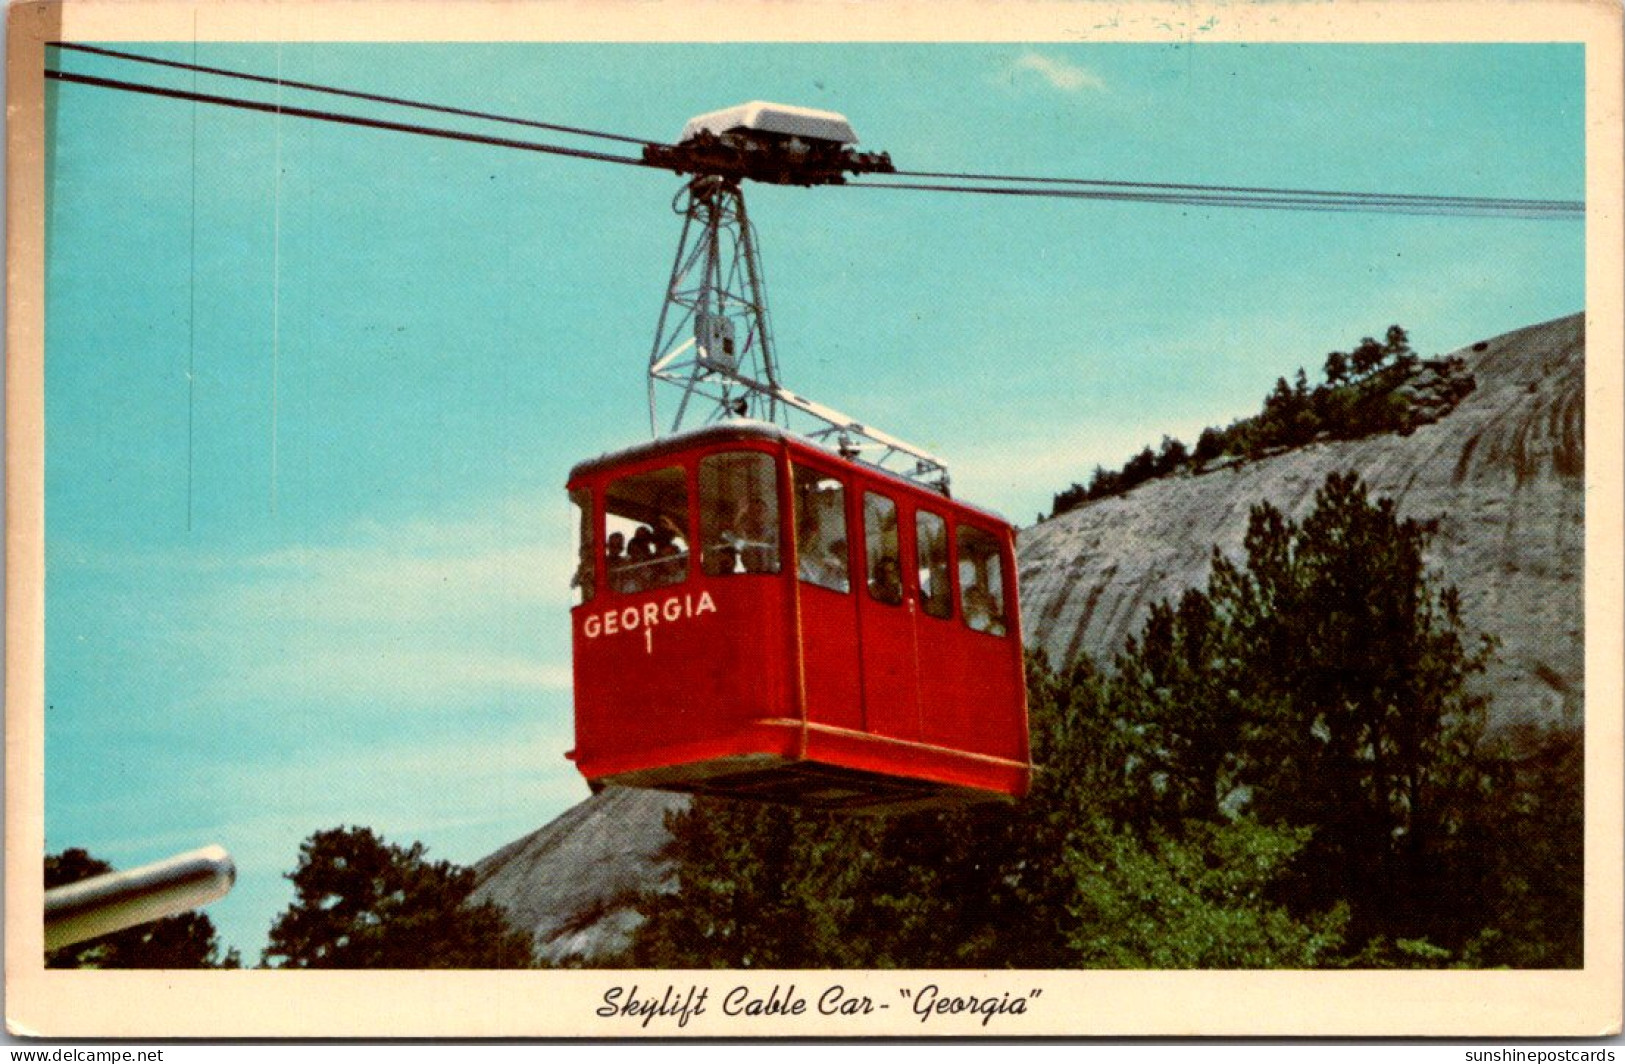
759, 617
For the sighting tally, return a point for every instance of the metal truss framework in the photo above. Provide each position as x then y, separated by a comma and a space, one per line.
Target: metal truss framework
713, 356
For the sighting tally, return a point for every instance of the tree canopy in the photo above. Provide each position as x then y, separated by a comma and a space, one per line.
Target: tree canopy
362, 902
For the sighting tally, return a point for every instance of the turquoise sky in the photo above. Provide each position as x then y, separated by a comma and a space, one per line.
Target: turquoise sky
312, 391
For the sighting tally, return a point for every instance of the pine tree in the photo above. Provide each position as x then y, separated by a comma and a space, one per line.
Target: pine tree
365, 903
1352, 666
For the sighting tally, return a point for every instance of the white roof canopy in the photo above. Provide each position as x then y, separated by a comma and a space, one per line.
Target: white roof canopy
781, 118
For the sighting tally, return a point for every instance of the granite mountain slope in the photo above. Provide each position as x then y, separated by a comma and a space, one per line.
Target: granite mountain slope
1501, 474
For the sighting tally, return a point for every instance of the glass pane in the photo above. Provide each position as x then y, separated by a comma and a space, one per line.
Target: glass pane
582, 583
739, 514
981, 582
646, 530
880, 549
821, 529
931, 544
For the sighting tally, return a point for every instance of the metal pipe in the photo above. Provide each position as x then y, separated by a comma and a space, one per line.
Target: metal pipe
112, 902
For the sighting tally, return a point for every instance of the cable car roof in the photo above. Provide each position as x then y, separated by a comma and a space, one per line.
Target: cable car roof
743, 429
762, 117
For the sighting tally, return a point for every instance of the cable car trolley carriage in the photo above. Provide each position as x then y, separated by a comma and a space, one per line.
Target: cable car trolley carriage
786, 604
759, 617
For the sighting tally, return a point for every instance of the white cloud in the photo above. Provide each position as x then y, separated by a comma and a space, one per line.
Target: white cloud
1067, 77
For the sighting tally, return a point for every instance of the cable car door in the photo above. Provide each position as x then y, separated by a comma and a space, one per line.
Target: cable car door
886, 619
938, 638
827, 622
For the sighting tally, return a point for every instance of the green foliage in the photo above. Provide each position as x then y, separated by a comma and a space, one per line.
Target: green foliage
1209, 445
1182, 681
1324, 678
1337, 367
1405, 953
1196, 899
1536, 859
1170, 456
187, 940
365, 903
1284, 769
765, 886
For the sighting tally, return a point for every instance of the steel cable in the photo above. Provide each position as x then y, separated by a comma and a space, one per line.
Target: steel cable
332, 90
344, 119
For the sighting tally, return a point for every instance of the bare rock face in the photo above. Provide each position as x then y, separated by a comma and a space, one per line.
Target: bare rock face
1501, 472
1500, 469
572, 884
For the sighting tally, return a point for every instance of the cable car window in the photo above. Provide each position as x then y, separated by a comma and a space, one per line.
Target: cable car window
981, 582
739, 514
880, 549
645, 537
583, 582
821, 529
931, 547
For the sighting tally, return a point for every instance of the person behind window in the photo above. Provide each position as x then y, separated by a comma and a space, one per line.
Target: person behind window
642, 547
835, 565
753, 535
666, 566
808, 536
724, 560
640, 554
982, 611
670, 531
615, 560
824, 565
886, 585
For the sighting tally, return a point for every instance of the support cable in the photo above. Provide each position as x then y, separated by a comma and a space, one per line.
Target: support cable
1539, 210
346, 119
332, 90
1168, 186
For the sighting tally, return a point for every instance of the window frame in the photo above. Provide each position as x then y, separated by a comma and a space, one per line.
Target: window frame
820, 472
589, 545
994, 562
776, 510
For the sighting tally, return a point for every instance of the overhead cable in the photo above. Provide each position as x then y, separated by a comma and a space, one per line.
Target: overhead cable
1371, 204
332, 90
1496, 202
343, 119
